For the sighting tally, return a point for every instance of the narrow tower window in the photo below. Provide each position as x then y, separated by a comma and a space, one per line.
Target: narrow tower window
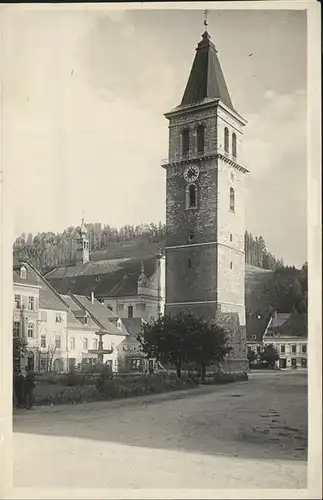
232, 199
185, 141
191, 196
234, 145
130, 312
230, 265
226, 140
189, 263
200, 134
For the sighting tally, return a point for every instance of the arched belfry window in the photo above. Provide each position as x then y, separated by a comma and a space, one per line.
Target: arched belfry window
232, 199
191, 196
234, 145
200, 136
226, 140
185, 142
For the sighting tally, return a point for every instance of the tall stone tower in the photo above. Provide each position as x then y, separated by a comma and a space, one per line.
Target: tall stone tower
82, 245
205, 203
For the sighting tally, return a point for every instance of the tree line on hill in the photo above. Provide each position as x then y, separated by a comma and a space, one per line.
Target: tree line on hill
47, 250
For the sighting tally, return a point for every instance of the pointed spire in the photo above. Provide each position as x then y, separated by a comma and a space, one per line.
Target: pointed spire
206, 80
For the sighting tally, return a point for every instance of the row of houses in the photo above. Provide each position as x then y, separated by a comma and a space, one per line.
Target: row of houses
287, 333
63, 331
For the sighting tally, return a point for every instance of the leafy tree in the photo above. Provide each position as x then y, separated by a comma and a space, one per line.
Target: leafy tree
184, 338
206, 343
251, 355
164, 340
269, 355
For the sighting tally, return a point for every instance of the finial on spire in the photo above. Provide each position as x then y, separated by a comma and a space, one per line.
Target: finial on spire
205, 17
82, 216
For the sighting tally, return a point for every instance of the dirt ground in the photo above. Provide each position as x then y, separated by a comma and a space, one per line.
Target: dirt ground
244, 435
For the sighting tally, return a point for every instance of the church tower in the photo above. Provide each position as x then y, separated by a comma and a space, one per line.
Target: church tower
205, 201
82, 245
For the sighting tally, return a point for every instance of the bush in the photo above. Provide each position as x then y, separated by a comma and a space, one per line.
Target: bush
55, 395
65, 379
144, 384
225, 378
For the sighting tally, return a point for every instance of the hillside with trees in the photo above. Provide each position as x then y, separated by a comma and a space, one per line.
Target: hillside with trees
48, 250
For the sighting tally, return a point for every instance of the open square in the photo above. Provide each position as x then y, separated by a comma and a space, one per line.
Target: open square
245, 435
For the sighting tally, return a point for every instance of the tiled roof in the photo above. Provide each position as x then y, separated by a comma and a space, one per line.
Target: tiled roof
48, 298
118, 279
30, 276
133, 325
294, 325
75, 312
206, 80
279, 319
99, 313
100, 267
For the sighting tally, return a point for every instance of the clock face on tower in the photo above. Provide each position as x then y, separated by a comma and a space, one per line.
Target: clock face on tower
191, 173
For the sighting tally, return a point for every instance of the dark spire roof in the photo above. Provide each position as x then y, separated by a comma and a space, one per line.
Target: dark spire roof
206, 80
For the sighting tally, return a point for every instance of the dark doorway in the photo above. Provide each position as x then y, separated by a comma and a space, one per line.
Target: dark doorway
282, 363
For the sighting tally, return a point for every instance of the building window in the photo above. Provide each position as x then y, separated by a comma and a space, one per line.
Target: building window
200, 133
130, 312
30, 330
230, 237
85, 319
231, 265
234, 145
258, 349
59, 318
282, 349
191, 238
185, 141
72, 343
57, 341
23, 273
191, 196
304, 348
43, 341
226, 140
16, 328
294, 348
85, 344
43, 315
95, 343
189, 263
97, 278
17, 301
31, 303
232, 199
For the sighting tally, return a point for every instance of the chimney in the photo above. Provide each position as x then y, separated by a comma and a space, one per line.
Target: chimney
92, 297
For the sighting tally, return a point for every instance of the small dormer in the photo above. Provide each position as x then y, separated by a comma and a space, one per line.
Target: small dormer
23, 273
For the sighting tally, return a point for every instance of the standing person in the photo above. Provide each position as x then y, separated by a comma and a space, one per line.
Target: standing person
19, 386
29, 388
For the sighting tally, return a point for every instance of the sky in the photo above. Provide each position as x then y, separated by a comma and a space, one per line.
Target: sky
84, 97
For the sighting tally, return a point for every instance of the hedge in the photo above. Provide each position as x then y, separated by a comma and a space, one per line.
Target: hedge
106, 387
